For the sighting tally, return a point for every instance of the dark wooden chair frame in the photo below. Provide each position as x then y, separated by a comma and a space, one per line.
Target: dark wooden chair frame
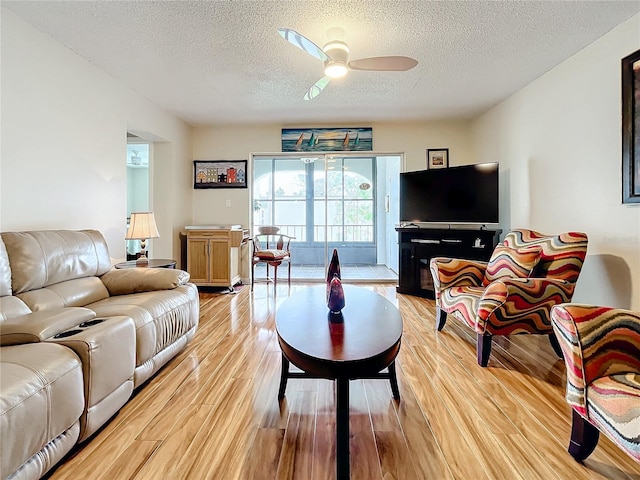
272, 240
584, 437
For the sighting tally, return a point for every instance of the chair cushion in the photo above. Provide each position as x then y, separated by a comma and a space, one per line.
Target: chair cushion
614, 407
511, 263
462, 303
272, 254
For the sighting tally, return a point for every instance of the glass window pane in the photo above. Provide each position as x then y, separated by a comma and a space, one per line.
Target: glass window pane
358, 180
262, 212
289, 179
358, 212
334, 221
334, 180
290, 216
262, 176
281, 197
318, 180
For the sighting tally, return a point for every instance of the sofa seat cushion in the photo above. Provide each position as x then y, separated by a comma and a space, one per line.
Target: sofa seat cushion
272, 255
160, 317
614, 407
41, 397
462, 302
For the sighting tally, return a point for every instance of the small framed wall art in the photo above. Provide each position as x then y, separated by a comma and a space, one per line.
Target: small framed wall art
219, 174
437, 158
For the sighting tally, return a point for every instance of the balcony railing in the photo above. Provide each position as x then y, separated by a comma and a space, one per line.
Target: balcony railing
334, 233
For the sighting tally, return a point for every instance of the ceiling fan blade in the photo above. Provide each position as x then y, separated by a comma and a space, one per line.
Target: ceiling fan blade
303, 43
391, 64
316, 88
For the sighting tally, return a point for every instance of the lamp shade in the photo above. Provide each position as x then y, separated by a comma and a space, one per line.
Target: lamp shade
142, 226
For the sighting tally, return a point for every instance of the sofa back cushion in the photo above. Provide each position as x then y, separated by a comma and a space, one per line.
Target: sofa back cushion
72, 293
507, 262
5, 271
39, 259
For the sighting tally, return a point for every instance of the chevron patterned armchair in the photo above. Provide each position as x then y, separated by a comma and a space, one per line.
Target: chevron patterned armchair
601, 347
513, 293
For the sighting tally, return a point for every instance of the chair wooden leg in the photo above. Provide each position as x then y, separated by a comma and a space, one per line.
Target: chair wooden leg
441, 318
553, 340
253, 266
289, 274
584, 437
483, 349
275, 277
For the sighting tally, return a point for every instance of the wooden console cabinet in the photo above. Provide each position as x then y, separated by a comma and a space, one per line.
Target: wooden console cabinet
214, 254
418, 245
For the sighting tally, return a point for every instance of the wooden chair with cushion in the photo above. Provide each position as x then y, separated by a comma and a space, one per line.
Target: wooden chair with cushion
271, 248
514, 292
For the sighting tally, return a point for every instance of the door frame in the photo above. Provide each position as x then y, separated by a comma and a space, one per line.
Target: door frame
390, 232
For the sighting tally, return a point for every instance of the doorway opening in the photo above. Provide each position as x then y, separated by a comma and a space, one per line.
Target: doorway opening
139, 153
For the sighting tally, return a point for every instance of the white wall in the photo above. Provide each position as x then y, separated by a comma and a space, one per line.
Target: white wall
237, 142
558, 142
63, 144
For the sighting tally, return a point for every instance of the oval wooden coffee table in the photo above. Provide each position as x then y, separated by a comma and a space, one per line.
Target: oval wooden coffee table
361, 345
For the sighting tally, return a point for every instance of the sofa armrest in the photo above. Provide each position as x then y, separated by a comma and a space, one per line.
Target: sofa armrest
42, 324
517, 305
455, 272
596, 342
137, 280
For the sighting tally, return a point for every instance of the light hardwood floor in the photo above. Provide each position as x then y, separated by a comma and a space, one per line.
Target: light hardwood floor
212, 412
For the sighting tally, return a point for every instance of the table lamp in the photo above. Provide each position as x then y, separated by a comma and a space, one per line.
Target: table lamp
141, 227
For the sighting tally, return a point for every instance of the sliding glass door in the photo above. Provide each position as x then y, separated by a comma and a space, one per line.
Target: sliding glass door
326, 202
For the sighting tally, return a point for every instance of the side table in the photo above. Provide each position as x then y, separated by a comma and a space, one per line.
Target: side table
153, 263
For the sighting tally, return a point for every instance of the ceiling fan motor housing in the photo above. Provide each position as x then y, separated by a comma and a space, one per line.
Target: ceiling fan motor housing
338, 53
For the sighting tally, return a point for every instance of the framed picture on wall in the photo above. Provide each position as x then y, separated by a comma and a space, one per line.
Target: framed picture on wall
219, 174
437, 158
631, 128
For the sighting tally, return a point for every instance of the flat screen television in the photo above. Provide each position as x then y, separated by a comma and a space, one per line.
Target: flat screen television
463, 194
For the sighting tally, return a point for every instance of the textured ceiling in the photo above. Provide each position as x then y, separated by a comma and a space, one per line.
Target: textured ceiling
214, 62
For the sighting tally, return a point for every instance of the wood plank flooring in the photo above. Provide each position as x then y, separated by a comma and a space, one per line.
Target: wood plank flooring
213, 413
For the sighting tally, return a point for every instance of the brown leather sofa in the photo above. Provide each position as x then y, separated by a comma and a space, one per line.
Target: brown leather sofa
76, 338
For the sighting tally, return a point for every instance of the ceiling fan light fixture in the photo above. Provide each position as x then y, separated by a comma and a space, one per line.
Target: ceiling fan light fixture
335, 69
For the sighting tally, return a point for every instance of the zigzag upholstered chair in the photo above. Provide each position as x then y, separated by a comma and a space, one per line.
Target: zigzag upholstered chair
601, 349
514, 292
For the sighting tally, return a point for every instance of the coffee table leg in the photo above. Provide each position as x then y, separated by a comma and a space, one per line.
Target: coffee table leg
342, 429
284, 375
394, 381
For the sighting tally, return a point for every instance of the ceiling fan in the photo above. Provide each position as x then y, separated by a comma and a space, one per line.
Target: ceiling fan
335, 56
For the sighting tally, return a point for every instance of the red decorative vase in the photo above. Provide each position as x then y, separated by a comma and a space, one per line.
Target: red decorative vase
334, 267
335, 298
333, 270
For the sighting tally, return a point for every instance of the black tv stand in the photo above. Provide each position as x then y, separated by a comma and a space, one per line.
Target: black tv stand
418, 245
